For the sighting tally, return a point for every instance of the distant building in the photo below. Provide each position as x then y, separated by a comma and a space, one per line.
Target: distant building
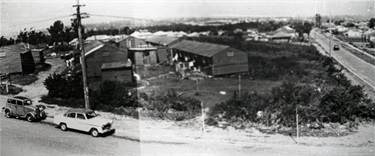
213, 59
103, 38
142, 34
280, 37
145, 55
287, 30
354, 33
162, 41
16, 58
130, 42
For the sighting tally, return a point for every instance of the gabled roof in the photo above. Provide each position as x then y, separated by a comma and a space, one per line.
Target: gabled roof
93, 46
199, 48
281, 34
161, 40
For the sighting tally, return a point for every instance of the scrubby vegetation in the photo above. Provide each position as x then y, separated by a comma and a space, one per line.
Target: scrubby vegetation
313, 84
170, 105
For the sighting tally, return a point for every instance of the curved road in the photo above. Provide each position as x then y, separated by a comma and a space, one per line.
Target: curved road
363, 70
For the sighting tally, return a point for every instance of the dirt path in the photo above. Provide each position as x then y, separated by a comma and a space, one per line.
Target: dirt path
36, 90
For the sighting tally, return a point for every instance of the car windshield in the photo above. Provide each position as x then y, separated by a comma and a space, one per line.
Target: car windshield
28, 102
90, 115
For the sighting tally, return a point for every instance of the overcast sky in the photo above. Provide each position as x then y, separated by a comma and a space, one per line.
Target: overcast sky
19, 14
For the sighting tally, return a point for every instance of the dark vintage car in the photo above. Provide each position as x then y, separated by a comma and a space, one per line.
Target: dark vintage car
336, 47
23, 107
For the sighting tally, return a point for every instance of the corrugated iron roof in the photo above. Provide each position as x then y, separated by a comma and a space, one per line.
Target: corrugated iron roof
199, 48
161, 40
92, 45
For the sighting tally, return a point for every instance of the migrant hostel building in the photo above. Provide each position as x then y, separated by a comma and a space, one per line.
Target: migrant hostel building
212, 59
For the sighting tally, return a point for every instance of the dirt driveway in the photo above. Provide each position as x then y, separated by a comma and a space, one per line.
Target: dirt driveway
37, 89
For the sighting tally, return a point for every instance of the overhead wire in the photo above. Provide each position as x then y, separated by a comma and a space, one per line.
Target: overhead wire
123, 17
39, 21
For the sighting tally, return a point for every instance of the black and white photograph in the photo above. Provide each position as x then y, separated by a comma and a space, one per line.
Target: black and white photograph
187, 77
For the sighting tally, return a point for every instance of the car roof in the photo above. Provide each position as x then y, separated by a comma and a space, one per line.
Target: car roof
21, 98
79, 110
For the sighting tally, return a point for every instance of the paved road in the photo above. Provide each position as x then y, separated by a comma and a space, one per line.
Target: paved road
19, 137
365, 71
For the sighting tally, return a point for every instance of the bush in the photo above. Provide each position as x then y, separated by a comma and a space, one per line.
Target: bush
111, 95
171, 105
59, 86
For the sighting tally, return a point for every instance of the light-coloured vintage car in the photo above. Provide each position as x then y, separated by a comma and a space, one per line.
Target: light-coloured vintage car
84, 120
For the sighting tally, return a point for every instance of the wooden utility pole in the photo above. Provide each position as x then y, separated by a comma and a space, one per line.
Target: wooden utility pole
239, 86
83, 62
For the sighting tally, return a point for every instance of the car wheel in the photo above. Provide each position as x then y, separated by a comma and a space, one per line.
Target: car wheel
63, 127
29, 118
7, 114
94, 132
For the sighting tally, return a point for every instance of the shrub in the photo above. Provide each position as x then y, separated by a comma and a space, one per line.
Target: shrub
111, 95
59, 86
170, 104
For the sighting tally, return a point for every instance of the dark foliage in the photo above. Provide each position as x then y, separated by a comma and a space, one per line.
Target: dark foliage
111, 95
59, 86
170, 100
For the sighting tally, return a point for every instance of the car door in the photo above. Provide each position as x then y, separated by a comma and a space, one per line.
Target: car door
20, 108
12, 104
69, 120
82, 122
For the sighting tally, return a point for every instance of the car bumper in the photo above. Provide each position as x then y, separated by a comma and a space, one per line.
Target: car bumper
112, 130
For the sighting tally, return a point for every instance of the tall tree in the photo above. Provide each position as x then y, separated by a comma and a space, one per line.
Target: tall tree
371, 23
318, 21
57, 32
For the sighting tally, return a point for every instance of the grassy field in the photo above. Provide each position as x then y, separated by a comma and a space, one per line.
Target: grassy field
208, 90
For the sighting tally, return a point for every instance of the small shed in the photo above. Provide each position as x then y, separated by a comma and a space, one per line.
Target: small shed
16, 58
118, 71
143, 55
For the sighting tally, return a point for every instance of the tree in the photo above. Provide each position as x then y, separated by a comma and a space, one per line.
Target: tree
318, 19
57, 32
371, 23
31, 36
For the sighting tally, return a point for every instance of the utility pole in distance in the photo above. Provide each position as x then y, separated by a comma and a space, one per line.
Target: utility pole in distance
83, 62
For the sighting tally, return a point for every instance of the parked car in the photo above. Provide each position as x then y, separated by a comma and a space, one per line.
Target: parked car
23, 107
336, 47
84, 120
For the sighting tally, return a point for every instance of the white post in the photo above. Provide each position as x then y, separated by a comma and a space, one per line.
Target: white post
203, 116
6, 86
297, 125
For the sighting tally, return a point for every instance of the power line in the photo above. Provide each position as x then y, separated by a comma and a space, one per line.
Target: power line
39, 21
123, 17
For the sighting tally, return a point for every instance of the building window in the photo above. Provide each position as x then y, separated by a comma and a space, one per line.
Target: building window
231, 53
